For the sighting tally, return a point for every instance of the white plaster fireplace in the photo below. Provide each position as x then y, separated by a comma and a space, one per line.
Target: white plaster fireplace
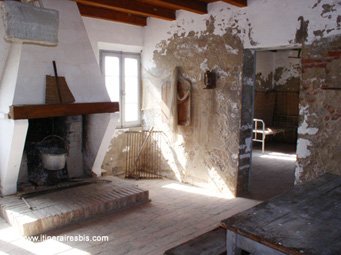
22, 82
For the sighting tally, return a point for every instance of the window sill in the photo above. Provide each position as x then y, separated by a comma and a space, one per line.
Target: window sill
136, 128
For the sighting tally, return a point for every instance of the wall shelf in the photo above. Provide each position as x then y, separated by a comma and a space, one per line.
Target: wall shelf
57, 110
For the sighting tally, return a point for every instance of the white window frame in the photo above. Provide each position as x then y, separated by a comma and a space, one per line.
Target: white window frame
122, 55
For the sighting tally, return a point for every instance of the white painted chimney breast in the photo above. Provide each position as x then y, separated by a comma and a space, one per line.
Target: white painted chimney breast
23, 73
75, 61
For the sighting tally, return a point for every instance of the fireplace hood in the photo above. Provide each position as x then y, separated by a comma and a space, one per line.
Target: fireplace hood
23, 68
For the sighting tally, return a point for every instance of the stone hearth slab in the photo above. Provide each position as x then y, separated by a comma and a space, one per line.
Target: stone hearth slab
62, 207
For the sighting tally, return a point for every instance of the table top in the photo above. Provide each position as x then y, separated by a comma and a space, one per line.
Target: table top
305, 220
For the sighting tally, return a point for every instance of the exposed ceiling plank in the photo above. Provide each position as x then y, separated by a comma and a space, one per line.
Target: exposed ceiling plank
240, 3
101, 13
192, 6
132, 7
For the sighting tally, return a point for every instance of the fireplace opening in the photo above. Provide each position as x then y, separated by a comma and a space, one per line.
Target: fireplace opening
52, 152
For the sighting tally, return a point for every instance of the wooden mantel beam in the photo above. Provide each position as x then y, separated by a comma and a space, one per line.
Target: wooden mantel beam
101, 13
133, 7
192, 6
240, 3
18, 112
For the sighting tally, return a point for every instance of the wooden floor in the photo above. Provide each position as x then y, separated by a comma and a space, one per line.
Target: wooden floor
177, 213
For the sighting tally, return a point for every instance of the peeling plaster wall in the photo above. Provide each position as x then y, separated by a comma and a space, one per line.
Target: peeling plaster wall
278, 70
319, 143
115, 159
287, 70
209, 150
264, 71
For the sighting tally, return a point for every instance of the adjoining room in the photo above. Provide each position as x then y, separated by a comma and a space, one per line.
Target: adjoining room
276, 118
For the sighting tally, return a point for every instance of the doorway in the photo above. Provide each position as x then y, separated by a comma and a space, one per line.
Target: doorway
275, 122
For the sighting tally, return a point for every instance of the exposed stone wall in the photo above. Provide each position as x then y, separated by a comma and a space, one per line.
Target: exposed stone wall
318, 148
207, 149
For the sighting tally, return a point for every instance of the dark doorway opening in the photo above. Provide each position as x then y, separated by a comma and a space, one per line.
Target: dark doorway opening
275, 122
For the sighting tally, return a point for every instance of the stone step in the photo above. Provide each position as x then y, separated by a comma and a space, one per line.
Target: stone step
210, 243
62, 207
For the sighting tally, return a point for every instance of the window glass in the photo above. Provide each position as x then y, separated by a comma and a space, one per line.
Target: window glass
112, 77
131, 82
122, 80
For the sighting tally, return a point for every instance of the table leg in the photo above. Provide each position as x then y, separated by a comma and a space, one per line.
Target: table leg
231, 243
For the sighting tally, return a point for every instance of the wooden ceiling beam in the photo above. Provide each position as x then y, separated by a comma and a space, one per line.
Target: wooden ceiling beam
239, 3
132, 7
101, 13
192, 6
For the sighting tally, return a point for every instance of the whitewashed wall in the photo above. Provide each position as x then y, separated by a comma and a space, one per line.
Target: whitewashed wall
107, 35
262, 24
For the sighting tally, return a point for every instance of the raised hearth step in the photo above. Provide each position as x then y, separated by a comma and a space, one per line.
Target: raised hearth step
55, 209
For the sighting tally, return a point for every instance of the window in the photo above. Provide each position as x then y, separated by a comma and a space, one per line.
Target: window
122, 79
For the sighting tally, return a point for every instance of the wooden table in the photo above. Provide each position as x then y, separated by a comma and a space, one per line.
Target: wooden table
305, 220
